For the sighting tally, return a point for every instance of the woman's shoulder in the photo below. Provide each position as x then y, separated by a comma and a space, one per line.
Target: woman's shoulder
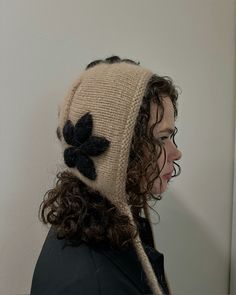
77, 266
62, 269
66, 268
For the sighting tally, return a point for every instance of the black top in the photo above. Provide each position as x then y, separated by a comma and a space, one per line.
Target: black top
63, 269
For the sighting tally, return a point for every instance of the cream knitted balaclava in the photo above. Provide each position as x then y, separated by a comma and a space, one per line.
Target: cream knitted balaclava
97, 119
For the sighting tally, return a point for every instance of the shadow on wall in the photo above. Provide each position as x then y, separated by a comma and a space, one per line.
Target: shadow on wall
190, 248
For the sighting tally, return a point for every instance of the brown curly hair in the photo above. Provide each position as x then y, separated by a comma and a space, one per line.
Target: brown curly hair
80, 214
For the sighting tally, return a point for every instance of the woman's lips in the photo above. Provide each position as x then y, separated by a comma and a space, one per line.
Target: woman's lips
169, 175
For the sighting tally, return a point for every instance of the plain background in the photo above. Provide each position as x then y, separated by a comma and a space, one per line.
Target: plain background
44, 46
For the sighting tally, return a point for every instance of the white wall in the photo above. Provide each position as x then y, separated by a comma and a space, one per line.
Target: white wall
44, 46
233, 242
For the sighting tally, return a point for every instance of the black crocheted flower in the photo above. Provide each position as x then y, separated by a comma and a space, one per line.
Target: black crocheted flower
83, 145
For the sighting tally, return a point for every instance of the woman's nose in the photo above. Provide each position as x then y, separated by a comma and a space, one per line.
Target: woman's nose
178, 154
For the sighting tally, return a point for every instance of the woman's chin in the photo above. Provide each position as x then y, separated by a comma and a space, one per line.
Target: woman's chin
157, 188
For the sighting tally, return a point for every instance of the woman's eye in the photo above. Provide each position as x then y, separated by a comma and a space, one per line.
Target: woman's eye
164, 137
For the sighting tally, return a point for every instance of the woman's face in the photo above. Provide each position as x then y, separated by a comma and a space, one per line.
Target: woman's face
161, 131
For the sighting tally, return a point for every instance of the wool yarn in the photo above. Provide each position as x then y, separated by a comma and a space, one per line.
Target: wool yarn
96, 120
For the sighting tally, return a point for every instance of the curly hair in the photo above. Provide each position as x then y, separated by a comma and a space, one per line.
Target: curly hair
80, 214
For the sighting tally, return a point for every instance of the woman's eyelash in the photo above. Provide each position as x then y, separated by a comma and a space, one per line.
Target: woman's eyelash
164, 137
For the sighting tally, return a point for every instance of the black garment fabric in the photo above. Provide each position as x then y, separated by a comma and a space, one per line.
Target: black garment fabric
145, 231
63, 269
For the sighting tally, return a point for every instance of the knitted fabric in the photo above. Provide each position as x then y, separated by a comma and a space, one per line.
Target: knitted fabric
108, 96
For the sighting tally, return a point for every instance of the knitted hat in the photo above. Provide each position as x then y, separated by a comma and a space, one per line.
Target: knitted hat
97, 120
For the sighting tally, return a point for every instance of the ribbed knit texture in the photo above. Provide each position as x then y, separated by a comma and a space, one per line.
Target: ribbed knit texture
113, 94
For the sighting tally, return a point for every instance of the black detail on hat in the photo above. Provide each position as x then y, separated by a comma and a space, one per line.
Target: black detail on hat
58, 133
83, 145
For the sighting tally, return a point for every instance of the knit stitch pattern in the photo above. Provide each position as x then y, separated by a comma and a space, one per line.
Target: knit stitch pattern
112, 94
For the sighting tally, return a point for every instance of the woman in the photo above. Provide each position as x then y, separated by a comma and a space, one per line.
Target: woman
116, 128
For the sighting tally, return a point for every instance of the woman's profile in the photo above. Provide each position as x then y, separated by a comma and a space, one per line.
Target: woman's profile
116, 129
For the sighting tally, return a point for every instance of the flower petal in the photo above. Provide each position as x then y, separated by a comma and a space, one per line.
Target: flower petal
86, 166
68, 132
58, 133
70, 155
95, 145
83, 129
